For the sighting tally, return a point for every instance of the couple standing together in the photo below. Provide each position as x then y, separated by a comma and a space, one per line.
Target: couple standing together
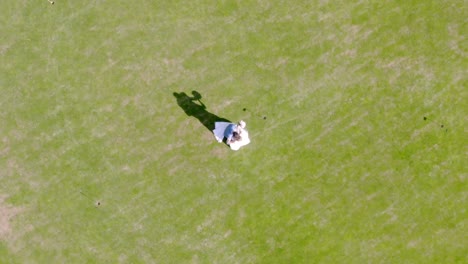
235, 134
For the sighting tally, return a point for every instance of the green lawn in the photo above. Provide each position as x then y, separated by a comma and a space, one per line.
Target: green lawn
361, 157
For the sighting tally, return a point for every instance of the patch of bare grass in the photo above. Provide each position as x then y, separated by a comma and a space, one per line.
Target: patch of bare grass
7, 213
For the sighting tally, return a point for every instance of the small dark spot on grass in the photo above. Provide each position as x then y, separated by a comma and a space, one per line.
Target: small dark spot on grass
425, 118
264, 117
244, 109
441, 126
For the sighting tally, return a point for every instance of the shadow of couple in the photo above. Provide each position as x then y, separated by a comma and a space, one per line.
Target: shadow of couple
193, 106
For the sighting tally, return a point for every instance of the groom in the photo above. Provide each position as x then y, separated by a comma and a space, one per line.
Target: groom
233, 132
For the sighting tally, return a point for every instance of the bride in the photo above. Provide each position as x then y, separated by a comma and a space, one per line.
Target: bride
235, 134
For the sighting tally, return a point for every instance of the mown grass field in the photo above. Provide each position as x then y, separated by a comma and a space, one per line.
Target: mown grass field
361, 157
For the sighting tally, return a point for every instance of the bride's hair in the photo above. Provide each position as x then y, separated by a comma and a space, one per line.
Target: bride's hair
236, 136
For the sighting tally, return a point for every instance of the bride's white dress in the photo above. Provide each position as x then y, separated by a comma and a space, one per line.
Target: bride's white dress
218, 132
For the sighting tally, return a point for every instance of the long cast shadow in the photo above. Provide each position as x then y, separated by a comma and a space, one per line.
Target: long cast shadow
193, 106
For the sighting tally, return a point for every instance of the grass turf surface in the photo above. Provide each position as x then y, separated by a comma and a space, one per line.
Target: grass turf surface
360, 159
